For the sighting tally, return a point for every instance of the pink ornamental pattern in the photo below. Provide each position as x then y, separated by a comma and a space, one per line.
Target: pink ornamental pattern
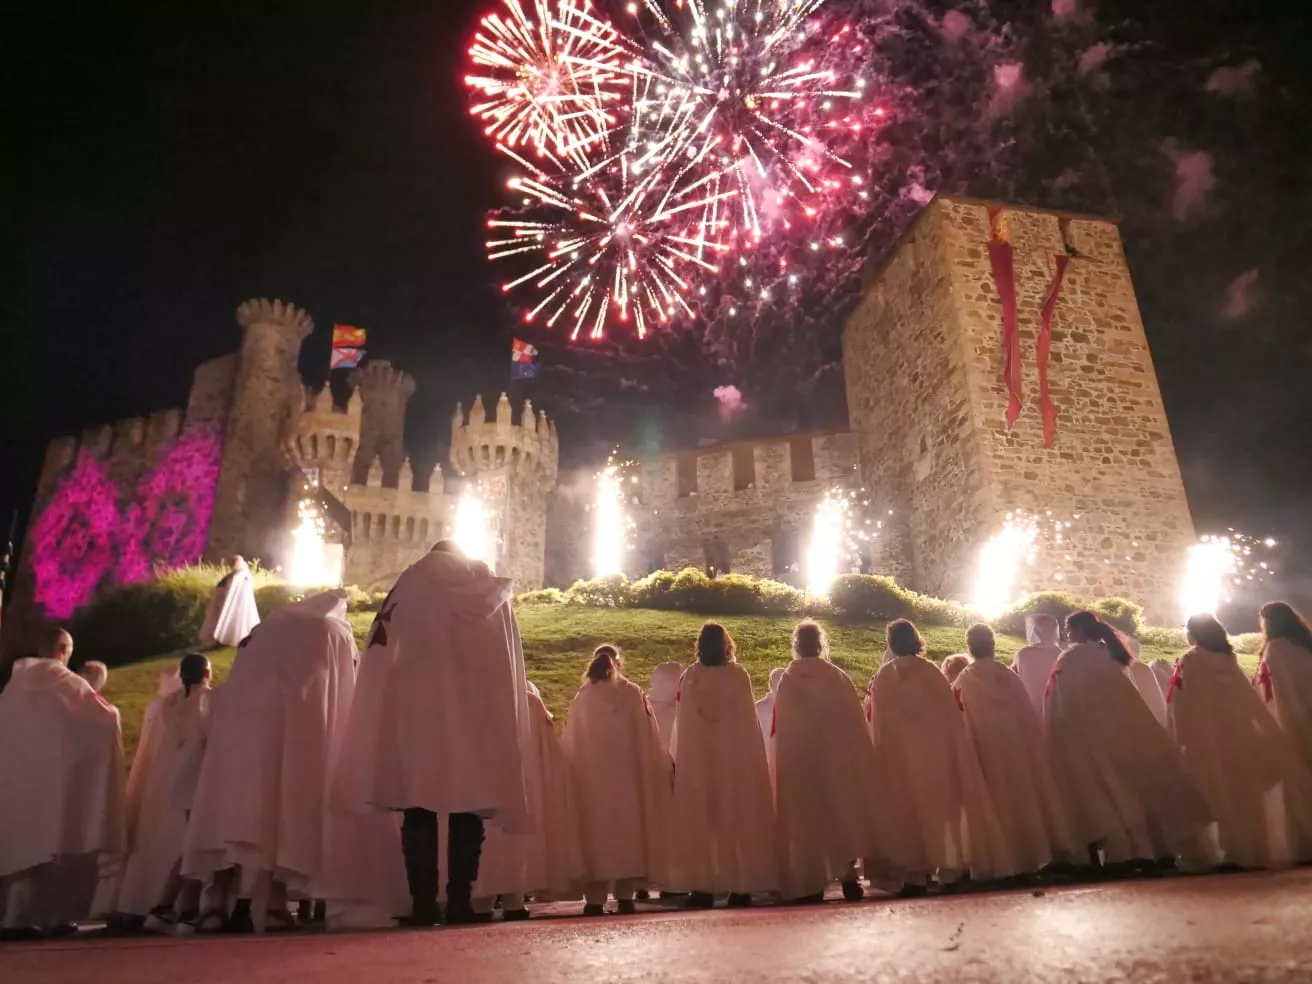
74, 537
168, 523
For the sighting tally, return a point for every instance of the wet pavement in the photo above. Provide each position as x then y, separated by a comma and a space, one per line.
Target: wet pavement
1248, 927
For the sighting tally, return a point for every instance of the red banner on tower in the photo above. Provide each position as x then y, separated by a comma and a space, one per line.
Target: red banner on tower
1004, 278
1047, 408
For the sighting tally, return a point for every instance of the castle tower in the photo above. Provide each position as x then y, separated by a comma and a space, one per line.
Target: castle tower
327, 438
923, 355
514, 467
385, 392
250, 501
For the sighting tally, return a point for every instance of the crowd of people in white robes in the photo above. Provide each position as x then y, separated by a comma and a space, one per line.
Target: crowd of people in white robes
324, 784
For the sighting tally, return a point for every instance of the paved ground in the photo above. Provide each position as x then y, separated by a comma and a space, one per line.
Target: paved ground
1219, 928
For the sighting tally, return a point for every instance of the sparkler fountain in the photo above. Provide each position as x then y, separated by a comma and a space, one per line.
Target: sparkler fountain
609, 530
472, 533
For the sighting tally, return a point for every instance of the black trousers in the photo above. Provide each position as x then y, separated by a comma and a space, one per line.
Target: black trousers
463, 850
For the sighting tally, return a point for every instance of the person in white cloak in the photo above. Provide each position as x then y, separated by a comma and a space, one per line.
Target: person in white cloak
95, 673
1145, 681
1284, 676
663, 697
1008, 738
1245, 764
61, 792
1034, 663
261, 806
544, 862
953, 665
231, 613
1162, 670
620, 776
1123, 780
160, 790
722, 824
765, 706
823, 768
440, 723
939, 821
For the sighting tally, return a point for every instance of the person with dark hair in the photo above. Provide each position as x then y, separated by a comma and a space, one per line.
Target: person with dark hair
1244, 763
621, 783
441, 724
823, 769
722, 828
939, 820
1034, 663
161, 787
1008, 738
1129, 794
1284, 676
61, 791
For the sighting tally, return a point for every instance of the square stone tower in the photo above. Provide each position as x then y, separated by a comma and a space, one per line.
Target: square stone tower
924, 358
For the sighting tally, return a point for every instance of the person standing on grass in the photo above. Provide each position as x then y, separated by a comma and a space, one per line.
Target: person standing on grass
1123, 780
939, 821
1284, 676
823, 770
1008, 739
663, 698
441, 722
231, 613
61, 792
621, 782
722, 830
1034, 663
1242, 760
765, 706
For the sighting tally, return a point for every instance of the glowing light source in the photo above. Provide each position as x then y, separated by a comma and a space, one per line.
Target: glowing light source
1216, 564
1001, 560
473, 532
309, 565
608, 534
824, 552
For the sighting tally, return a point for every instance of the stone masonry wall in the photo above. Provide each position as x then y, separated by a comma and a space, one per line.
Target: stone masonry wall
908, 402
758, 529
391, 529
1113, 462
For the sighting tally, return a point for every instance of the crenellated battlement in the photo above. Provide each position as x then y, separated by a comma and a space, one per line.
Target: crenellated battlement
277, 313
529, 448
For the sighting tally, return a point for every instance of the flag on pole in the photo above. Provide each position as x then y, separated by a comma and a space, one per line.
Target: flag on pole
346, 358
522, 355
348, 336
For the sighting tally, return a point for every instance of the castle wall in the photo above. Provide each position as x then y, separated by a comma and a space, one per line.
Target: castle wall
390, 530
749, 509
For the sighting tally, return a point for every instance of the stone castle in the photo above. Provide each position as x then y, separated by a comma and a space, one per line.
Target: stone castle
927, 445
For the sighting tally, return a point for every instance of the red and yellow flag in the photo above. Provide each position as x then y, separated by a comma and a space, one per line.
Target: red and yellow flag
348, 336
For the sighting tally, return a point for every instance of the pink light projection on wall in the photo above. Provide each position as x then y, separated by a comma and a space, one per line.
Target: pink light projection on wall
83, 535
167, 524
74, 537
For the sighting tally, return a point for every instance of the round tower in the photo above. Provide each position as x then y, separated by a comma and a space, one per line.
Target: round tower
384, 392
266, 402
514, 465
327, 438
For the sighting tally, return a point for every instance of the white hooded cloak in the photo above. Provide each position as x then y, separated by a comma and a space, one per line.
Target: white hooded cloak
1120, 775
231, 613
1284, 680
722, 831
765, 706
261, 801
1013, 756
938, 817
1162, 670
441, 712
823, 768
663, 696
1034, 663
61, 793
621, 782
1244, 763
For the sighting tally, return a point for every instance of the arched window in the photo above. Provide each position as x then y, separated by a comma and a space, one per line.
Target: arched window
423, 530
396, 527
332, 446
314, 446
347, 443
410, 528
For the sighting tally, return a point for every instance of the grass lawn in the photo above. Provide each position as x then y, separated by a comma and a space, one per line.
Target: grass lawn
558, 639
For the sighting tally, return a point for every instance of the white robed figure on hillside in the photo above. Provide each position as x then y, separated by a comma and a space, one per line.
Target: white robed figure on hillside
663, 696
823, 768
1013, 757
231, 613
621, 782
1145, 681
262, 800
61, 790
543, 862
1120, 775
160, 790
1034, 663
1245, 764
765, 706
441, 721
722, 827
938, 819
1162, 670
1284, 676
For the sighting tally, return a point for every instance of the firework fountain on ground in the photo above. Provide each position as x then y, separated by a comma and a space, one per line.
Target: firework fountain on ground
840, 535
309, 565
1008, 561
473, 528
1218, 566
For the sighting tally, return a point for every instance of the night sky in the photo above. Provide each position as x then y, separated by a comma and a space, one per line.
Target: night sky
161, 163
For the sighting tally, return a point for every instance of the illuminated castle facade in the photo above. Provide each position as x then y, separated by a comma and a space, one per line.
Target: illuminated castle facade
928, 446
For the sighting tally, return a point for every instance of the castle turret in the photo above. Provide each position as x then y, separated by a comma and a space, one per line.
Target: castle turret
327, 438
385, 392
514, 467
267, 398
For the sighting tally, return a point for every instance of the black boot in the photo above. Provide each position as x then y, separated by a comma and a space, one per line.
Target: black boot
464, 851
419, 845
